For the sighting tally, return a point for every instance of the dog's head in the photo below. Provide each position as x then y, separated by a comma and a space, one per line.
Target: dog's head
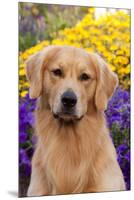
70, 80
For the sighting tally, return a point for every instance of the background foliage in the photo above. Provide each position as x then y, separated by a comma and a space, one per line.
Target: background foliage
109, 35
37, 22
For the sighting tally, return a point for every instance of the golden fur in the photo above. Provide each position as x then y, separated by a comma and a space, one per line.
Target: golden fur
73, 154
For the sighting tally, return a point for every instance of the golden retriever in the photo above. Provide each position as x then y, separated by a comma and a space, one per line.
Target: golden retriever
74, 152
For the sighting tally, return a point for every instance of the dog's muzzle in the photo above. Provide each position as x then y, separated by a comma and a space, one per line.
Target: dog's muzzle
68, 107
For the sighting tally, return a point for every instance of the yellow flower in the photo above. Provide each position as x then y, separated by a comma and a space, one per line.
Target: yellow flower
22, 72
121, 71
23, 93
24, 55
26, 84
127, 69
113, 47
113, 67
22, 65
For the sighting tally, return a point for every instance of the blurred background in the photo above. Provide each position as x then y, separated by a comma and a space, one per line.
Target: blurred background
39, 22
101, 30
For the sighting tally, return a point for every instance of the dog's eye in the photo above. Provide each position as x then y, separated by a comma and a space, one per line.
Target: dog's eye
84, 77
57, 72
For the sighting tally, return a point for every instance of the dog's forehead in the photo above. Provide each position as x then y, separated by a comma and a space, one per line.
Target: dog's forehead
73, 56
73, 53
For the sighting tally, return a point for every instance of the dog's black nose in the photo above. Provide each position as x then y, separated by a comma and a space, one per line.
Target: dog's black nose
69, 99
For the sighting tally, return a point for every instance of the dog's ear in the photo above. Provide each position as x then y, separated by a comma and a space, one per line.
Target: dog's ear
107, 82
35, 66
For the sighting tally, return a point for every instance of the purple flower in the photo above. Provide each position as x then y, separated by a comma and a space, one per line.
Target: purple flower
23, 157
118, 119
25, 165
121, 148
127, 156
22, 137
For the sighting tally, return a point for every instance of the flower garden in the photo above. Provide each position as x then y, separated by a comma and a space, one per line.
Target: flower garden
109, 35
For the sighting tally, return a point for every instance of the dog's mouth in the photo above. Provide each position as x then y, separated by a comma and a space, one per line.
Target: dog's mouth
67, 116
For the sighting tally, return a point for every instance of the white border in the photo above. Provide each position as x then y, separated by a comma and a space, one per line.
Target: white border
9, 96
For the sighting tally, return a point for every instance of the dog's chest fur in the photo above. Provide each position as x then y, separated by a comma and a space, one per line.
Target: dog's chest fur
68, 155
